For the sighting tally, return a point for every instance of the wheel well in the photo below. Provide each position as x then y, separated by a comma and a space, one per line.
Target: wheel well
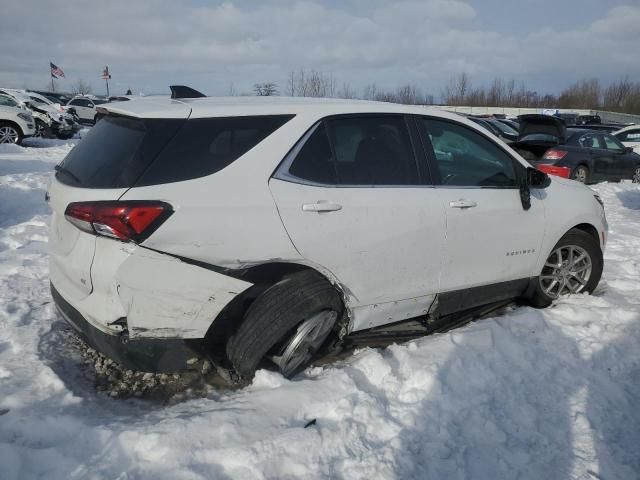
14, 125
588, 228
228, 320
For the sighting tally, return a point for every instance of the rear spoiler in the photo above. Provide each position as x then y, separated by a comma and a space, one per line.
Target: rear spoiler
181, 91
542, 124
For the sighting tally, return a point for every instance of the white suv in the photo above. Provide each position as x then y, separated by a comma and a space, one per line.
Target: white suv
259, 230
85, 107
15, 123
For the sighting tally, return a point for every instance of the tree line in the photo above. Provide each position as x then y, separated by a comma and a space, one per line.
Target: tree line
620, 96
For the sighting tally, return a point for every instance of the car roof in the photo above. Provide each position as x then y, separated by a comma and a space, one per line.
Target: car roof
18, 95
165, 107
627, 128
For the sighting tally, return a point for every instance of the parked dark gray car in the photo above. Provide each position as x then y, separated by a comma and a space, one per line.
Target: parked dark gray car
590, 155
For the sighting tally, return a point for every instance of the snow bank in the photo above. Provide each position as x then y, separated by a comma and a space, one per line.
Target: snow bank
529, 394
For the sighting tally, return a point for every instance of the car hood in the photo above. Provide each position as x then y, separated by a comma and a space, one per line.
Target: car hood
533, 124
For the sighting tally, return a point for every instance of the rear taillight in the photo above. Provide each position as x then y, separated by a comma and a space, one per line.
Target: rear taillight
564, 172
554, 154
131, 221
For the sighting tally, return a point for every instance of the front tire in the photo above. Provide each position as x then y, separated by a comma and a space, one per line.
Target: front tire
581, 174
287, 324
9, 133
573, 266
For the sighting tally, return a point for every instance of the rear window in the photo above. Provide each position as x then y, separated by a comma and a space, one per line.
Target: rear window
207, 145
122, 152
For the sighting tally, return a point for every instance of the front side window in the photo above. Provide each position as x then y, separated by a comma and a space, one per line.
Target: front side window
358, 151
467, 159
612, 143
7, 101
591, 140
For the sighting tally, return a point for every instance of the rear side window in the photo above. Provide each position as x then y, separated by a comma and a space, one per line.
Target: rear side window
314, 162
122, 152
612, 143
116, 151
207, 145
359, 151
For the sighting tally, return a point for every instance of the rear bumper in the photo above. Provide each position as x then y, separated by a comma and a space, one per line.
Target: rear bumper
158, 355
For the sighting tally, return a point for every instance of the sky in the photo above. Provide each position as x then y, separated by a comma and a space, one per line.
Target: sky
219, 46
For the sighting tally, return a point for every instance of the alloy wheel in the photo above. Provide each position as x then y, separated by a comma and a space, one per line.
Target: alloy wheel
636, 175
8, 134
567, 270
305, 342
580, 175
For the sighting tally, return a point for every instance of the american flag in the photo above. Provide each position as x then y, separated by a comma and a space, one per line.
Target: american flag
56, 72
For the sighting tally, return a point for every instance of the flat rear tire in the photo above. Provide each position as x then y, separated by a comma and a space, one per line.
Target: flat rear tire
286, 325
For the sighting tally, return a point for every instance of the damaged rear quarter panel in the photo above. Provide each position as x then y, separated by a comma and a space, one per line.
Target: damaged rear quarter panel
167, 298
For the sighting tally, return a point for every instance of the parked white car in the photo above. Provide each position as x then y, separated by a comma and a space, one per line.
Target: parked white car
258, 230
85, 107
50, 119
15, 123
629, 136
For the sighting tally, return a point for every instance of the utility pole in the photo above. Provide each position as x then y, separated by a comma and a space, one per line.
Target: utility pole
106, 76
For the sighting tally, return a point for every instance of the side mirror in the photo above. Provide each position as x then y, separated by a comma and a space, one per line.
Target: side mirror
627, 150
537, 179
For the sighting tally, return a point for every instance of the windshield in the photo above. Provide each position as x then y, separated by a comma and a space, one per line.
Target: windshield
504, 128
39, 100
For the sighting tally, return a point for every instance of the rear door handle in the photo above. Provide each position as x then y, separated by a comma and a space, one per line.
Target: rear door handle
463, 204
321, 207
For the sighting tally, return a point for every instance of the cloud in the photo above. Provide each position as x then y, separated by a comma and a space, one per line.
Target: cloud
147, 45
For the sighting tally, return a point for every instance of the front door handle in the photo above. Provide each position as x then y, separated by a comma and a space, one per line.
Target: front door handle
463, 204
321, 206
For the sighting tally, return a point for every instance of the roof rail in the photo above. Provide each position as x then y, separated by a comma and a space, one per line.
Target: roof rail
181, 91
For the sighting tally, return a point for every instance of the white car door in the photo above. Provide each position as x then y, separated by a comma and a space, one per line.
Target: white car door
492, 240
356, 202
83, 109
630, 138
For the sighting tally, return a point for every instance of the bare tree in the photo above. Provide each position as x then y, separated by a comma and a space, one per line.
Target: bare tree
311, 83
582, 94
346, 91
81, 88
455, 91
291, 84
370, 92
267, 89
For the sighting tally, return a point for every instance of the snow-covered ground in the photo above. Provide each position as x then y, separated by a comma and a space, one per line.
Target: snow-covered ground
549, 394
